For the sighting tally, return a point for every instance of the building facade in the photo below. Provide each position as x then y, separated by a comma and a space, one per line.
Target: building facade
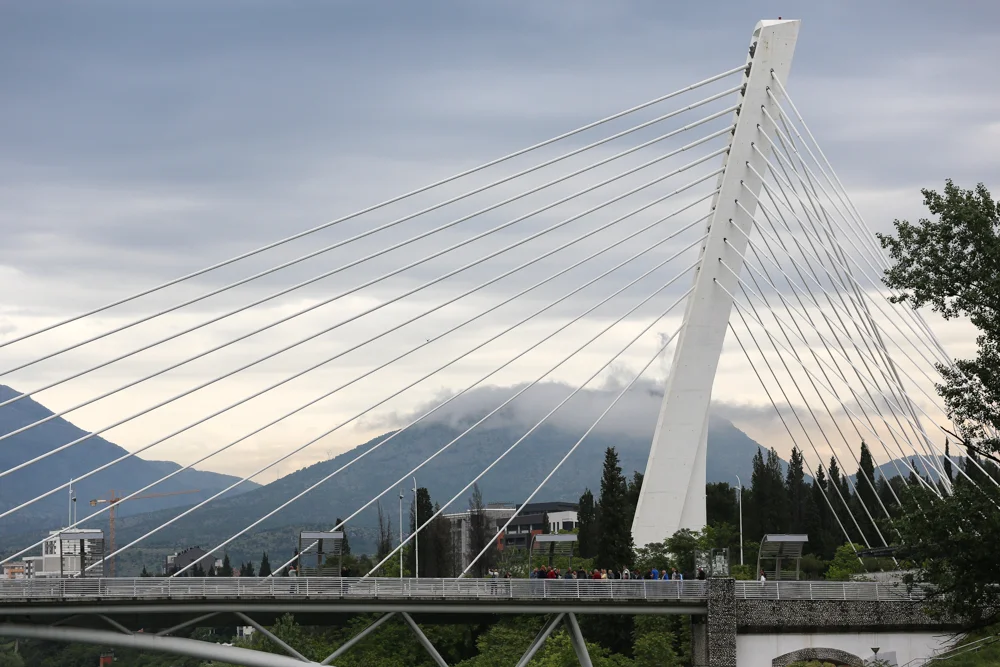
531, 519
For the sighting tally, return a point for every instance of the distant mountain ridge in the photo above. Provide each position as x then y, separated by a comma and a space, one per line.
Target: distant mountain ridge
730, 454
128, 475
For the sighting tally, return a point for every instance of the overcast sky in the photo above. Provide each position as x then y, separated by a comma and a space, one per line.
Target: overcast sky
142, 141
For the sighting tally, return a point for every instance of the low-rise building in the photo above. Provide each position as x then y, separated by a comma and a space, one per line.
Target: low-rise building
178, 561
532, 518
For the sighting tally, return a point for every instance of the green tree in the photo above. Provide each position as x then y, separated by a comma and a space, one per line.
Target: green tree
423, 509
767, 499
632, 494
845, 563
440, 551
10, 659
951, 538
797, 492
867, 495
615, 548
952, 263
227, 567
587, 532
265, 566
655, 643
722, 503
819, 521
345, 546
480, 534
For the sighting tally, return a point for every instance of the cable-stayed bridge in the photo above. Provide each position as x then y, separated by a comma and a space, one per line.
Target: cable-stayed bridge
703, 228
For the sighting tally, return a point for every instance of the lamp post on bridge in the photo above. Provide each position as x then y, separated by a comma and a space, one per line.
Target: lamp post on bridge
401, 533
740, 491
416, 535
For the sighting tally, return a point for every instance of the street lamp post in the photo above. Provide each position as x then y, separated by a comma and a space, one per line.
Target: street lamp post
740, 491
400, 533
416, 536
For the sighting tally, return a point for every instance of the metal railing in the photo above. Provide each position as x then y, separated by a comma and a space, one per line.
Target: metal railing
216, 588
825, 590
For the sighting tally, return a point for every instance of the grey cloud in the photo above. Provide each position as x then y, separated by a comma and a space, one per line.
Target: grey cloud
145, 140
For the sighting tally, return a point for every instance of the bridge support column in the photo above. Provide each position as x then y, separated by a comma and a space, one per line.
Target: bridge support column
539, 640
424, 641
713, 636
579, 644
673, 491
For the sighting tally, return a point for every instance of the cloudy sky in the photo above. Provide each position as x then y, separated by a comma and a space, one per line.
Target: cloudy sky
142, 141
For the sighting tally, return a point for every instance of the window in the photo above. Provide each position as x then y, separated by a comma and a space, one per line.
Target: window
568, 525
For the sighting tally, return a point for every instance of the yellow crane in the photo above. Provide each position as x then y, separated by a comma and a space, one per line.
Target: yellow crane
113, 499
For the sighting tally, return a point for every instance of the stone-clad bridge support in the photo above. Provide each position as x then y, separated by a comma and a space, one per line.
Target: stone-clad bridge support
740, 632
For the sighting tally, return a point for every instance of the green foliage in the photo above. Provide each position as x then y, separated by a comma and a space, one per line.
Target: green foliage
845, 563
767, 507
615, 548
655, 643
227, 567
265, 566
952, 263
10, 659
587, 522
954, 540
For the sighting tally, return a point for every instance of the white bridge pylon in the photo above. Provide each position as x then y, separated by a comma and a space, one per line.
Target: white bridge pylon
673, 490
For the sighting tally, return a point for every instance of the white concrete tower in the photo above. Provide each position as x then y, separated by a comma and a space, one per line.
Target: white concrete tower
673, 491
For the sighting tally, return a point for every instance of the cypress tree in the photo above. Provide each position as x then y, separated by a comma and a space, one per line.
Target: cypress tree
615, 547
227, 567
481, 534
422, 510
587, 526
265, 566
797, 492
345, 546
865, 483
634, 489
769, 497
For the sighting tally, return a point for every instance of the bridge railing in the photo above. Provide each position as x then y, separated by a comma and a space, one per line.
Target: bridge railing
149, 588
825, 590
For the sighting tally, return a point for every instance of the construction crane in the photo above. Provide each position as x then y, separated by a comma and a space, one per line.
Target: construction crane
113, 499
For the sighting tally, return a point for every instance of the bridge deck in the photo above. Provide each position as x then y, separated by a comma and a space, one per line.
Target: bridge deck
337, 588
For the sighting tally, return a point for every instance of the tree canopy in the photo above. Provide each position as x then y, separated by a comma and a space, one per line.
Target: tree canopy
952, 264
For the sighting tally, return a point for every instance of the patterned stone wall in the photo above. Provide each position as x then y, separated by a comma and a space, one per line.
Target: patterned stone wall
722, 623
757, 616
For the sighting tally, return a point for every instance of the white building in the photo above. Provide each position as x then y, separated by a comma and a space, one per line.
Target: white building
71, 553
531, 518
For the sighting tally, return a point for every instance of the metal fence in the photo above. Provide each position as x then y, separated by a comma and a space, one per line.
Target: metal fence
179, 588
825, 590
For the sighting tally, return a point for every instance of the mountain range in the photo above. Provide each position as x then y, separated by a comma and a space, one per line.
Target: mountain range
730, 453
129, 475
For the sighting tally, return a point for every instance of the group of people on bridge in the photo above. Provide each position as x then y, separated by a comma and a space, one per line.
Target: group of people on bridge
653, 573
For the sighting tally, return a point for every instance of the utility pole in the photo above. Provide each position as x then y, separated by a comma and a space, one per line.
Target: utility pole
416, 536
740, 491
401, 533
